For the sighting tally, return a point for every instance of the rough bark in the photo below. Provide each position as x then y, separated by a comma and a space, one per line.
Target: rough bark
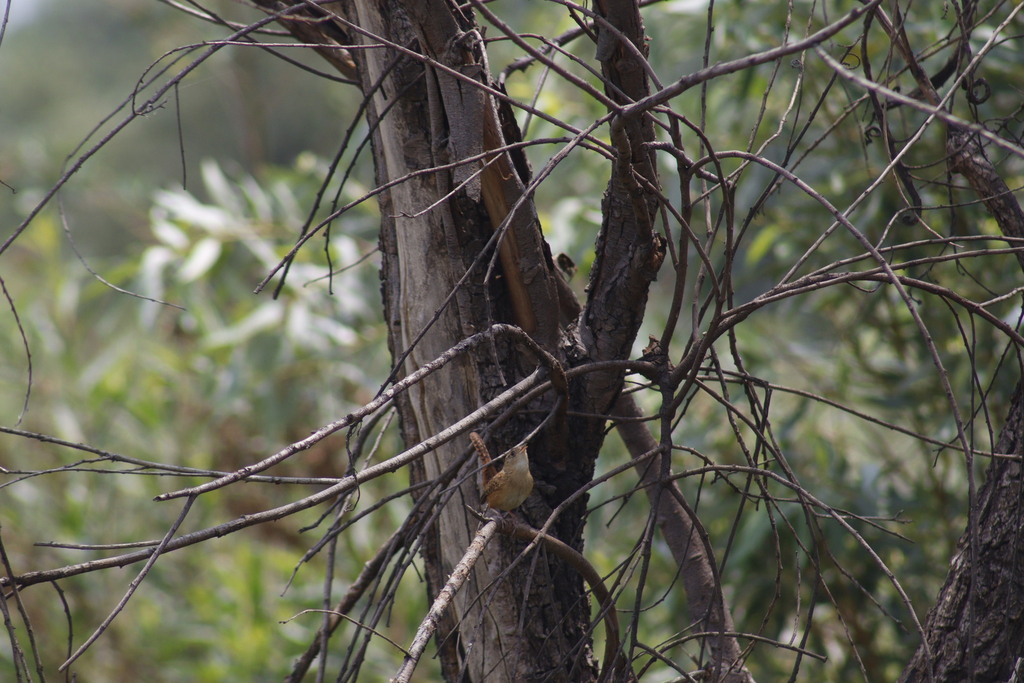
629, 252
976, 632
424, 116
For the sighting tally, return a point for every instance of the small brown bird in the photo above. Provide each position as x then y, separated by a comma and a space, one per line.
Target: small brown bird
505, 490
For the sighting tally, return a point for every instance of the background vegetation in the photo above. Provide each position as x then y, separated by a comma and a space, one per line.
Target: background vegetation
219, 377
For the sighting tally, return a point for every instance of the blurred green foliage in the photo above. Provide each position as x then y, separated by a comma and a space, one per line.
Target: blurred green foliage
217, 385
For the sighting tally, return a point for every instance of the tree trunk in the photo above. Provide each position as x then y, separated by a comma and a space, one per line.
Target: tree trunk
529, 623
431, 104
975, 631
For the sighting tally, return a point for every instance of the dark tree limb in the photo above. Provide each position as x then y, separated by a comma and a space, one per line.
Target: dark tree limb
976, 633
690, 548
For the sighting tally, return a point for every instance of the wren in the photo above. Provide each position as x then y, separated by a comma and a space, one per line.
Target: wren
505, 490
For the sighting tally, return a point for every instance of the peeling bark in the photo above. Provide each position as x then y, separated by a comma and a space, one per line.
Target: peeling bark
501, 627
435, 110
